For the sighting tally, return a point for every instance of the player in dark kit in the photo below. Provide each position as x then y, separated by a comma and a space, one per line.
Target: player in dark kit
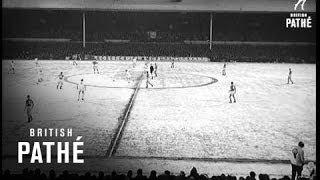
289, 76
11, 68
29, 106
232, 91
151, 71
155, 69
60, 80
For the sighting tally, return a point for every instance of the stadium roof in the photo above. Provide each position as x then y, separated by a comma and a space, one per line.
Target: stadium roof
163, 5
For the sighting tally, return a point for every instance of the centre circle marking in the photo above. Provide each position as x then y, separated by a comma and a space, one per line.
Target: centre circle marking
73, 80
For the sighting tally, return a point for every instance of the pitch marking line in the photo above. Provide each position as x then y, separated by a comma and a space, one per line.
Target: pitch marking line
212, 81
115, 140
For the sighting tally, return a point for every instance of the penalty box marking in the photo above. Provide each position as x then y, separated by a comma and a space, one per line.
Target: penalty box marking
212, 80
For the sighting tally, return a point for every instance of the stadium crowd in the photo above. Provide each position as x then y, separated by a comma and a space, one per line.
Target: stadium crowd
167, 175
219, 52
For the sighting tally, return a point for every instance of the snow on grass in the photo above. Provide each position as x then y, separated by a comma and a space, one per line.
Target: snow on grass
95, 119
269, 118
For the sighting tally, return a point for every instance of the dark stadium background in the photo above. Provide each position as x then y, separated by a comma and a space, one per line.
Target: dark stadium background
174, 33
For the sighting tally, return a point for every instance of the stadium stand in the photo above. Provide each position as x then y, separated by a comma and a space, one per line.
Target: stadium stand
179, 34
167, 27
220, 52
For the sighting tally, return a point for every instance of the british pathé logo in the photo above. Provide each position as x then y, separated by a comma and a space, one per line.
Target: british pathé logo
299, 19
300, 2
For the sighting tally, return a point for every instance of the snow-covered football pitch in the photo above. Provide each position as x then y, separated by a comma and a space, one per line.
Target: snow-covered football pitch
185, 116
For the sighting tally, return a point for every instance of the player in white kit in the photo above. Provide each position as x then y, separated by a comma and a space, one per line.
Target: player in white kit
172, 63
232, 91
134, 62
60, 80
81, 89
36, 62
224, 69
128, 75
95, 66
74, 62
148, 80
40, 75
145, 67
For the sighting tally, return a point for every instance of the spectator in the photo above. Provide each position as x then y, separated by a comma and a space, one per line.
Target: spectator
140, 176
37, 175
308, 171
297, 160
263, 177
194, 173
252, 175
182, 176
129, 175
101, 175
153, 175
113, 175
